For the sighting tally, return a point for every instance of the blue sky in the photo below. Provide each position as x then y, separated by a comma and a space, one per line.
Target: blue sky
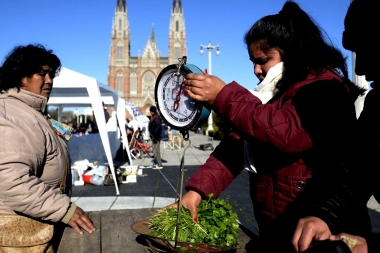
79, 31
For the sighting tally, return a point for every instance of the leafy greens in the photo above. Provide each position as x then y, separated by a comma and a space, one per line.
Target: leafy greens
217, 224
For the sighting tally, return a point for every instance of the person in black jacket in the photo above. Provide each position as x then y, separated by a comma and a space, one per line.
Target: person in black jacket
155, 125
361, 36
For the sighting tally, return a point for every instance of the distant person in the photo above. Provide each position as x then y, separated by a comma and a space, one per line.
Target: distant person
121, 154
82, 129
35, 167
107, 113
155, 125
93, 125
112, 124
301, 136
130, 136
75, 128
134, 124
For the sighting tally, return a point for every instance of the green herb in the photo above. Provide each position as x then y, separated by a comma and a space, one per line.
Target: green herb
217, 224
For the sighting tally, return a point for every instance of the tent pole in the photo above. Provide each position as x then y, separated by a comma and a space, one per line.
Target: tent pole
94, 94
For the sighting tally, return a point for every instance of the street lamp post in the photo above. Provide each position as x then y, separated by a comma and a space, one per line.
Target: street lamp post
209, 47
76, 113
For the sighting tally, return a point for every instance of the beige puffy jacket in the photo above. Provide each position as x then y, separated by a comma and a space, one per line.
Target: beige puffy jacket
31, 160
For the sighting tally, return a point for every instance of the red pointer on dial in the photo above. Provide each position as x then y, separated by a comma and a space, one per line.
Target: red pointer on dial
178, 97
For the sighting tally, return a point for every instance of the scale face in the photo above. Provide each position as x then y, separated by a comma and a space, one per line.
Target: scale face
177, 109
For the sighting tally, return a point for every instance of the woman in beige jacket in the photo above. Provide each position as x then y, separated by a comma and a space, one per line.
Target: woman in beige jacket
35, 177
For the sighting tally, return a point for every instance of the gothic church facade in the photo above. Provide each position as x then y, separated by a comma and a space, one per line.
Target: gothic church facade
134, 77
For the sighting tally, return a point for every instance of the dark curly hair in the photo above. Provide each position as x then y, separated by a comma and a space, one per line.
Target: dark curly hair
301, 42
25, 61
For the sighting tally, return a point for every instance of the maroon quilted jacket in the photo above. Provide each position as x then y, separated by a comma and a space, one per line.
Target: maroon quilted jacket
302, 133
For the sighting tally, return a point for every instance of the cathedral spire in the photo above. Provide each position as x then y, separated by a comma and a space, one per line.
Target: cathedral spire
177, 6
120, 5
151, 51
152, 37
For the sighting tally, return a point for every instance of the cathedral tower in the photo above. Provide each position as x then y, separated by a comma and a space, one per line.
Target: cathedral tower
120, 49
177, 33
134, 77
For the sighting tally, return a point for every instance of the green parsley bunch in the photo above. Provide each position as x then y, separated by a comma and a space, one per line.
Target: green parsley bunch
217, 224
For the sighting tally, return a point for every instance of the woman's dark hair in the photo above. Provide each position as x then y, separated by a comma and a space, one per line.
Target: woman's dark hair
300, 41
25, 61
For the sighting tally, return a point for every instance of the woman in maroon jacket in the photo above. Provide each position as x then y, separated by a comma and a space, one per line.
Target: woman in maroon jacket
296, 144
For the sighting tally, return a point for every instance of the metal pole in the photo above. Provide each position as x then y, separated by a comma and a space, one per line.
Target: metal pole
209, 48
209, 59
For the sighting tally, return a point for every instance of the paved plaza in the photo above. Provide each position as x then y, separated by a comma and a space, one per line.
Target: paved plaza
157, 188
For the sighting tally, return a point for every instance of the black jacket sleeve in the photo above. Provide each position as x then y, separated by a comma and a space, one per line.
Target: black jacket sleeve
327, 112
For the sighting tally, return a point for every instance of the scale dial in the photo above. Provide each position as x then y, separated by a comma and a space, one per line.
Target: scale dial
177, 109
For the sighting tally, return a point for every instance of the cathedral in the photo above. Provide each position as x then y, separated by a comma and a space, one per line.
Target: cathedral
134, 77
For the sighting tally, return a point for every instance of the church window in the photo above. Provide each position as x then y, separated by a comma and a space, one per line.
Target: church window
177, 50
120, 83
119, 51
133, 82
177, 26
148, 83
120, 25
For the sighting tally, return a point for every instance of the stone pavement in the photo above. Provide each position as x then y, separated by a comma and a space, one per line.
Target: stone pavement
157, 188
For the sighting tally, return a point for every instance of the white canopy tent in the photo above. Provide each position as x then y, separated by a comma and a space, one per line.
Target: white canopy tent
73, 89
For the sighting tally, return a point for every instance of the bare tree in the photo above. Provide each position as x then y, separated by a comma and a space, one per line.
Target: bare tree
68, 116
53, 112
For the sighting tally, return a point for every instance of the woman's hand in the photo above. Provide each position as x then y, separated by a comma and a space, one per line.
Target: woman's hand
356, 244
191, 201
80, 221
309, 229
203, 88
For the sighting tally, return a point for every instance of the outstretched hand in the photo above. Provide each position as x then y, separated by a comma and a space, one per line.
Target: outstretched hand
80, 221
203, 88
309, 229
191, 201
